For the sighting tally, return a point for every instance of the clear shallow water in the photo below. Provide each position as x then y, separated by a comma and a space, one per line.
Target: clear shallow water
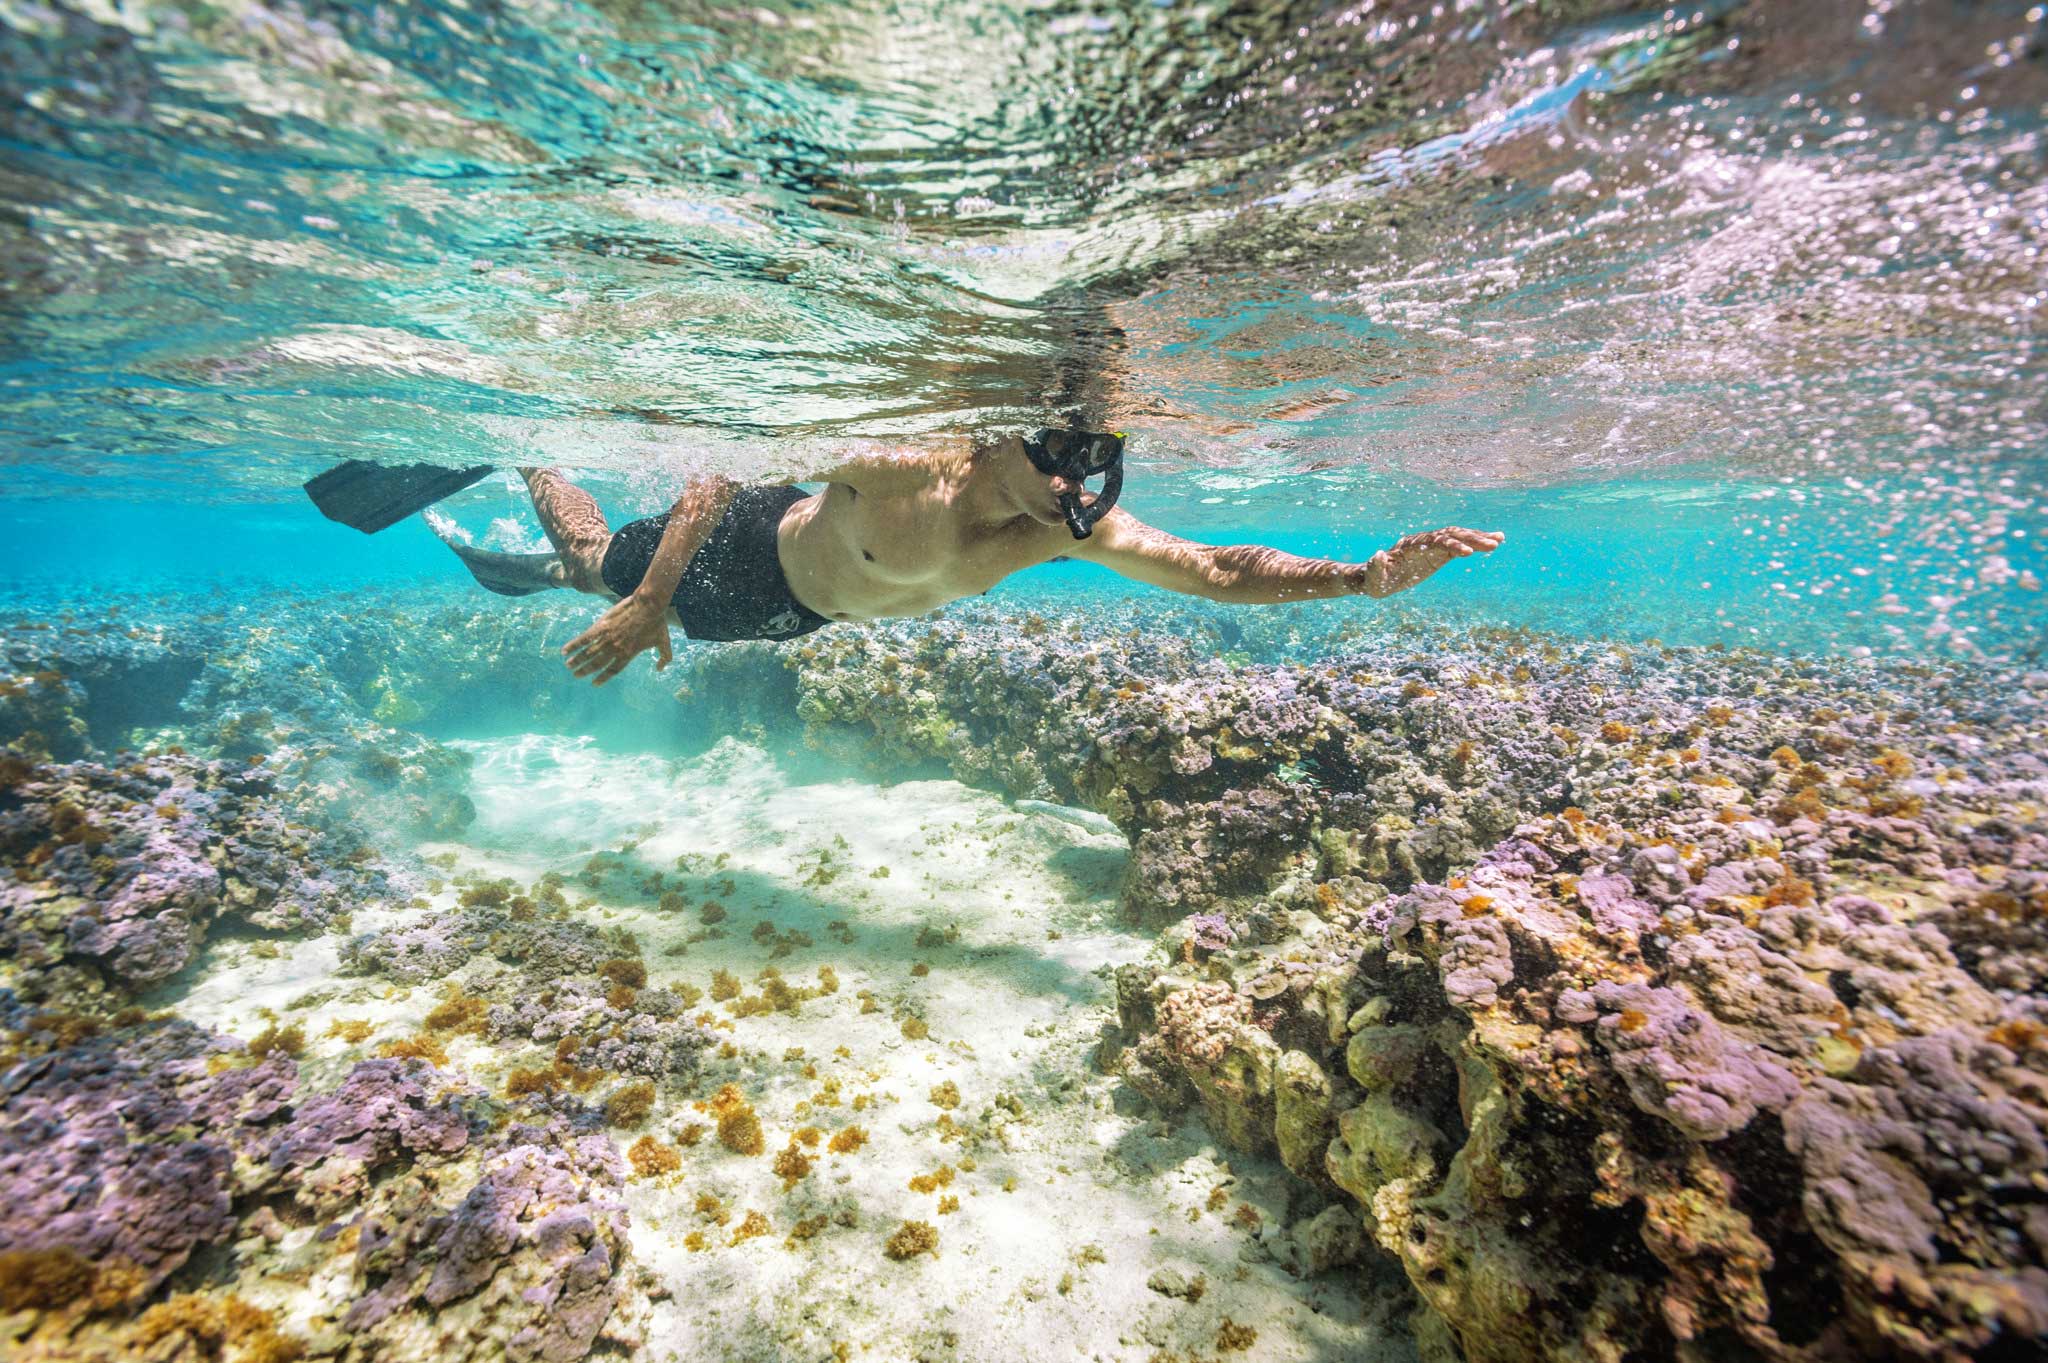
1750, 287
1347, 980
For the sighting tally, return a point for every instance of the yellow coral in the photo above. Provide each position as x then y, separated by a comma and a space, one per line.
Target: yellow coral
739, 1130
275, 1040
625, 971
792, 1165
422, 1047
650, 1157
459, 1013
42, 1279
911, 1239
629, 1104
942, 1177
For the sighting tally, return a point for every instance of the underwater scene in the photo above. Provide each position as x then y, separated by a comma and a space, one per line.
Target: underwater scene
939, 681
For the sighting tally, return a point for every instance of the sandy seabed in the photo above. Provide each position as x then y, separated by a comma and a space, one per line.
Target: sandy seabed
993, 926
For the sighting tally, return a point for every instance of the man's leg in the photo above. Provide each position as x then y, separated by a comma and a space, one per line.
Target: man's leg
574, 525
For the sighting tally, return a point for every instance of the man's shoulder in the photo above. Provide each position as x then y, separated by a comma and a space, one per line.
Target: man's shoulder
885, 471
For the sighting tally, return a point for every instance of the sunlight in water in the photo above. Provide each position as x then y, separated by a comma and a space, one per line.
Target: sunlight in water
1522, 837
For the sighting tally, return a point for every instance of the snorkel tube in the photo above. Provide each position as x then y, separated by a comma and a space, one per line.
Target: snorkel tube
1078, 456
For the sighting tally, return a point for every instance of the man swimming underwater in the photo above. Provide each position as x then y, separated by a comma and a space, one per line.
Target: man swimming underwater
891, 535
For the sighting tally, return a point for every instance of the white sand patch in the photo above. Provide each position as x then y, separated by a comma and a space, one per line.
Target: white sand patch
244, 986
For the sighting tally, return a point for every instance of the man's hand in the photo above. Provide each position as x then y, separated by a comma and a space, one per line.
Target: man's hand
620, 635
1414, 557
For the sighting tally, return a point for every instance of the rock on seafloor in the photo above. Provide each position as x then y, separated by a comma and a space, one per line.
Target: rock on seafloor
415, 1213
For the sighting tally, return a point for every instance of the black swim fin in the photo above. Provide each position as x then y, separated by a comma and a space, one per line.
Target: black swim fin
372, 496
510, 574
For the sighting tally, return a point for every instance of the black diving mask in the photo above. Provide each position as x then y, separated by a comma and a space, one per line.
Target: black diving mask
1078, 456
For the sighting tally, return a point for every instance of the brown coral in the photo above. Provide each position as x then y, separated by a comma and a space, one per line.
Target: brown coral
629, 1104
649, 1158
739, 1130
911, 1239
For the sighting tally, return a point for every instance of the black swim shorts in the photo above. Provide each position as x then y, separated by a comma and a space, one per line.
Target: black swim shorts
734, 587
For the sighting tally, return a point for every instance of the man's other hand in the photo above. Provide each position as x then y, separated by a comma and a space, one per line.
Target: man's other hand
1413, 558
620, 635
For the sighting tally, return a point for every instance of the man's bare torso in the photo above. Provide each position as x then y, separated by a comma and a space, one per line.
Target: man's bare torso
854, 555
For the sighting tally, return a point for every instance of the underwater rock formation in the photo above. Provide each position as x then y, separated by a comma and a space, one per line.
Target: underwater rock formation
1686, 1067
527, 1264
39, 709
1631, 1013
439, 945
117, 873
123, 1153
1633, 1001
643, 1034
121, 1148
382, 1110
317, 706
549, 979
1229, 781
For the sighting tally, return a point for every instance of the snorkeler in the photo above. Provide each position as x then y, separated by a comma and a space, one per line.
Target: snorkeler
891, 535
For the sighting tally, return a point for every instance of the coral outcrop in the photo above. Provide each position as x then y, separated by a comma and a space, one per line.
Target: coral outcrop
118, 872
128, 1151
527, 1265
121, 1147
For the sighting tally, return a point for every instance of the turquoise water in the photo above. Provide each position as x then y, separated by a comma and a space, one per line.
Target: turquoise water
1630, 945
1678, 561
1731, 329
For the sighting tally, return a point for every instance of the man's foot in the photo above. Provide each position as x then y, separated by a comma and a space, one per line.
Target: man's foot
505, 574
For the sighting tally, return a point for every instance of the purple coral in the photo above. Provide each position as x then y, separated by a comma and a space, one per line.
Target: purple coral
383, 1109
539, 1240
145, 857
120, 1147
1679, 1064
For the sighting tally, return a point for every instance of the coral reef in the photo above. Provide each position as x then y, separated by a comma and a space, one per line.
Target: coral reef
121, 1147
125, 1152
1631, 1012
1228, 780
440, 943
118, 872
381, 1111
528, 1264
647, 1035
1627, 1001
1686, 1066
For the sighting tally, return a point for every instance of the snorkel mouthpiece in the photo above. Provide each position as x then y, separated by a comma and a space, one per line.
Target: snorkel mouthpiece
1078, 456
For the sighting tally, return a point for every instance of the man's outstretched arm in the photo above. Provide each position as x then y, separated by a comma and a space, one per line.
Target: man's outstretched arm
1252, 574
